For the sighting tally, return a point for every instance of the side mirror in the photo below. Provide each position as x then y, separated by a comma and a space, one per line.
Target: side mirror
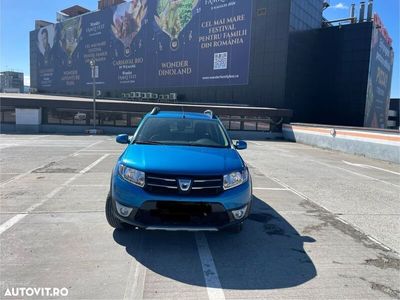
240, 145
122, 139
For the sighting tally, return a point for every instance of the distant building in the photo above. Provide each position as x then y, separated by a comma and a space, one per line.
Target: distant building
393, 121
106, 3
11, 82
71, 12
277, 53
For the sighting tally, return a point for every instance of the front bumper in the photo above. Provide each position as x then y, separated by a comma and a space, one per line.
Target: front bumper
180, 212
174, 216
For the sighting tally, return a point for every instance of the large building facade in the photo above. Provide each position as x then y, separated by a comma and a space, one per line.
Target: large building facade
267, 53
11, 82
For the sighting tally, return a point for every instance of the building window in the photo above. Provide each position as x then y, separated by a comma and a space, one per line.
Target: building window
263, 126
225, 121
85, 117
135, 120
121, 120
7, 115
250, 125
235, 123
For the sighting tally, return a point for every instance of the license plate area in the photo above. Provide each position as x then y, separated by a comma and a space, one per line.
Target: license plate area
182, 213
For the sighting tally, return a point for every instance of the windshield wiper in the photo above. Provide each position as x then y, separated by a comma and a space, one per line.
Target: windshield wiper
148, 143
204, 145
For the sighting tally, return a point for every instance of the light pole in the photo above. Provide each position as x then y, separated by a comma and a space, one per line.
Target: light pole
93, 67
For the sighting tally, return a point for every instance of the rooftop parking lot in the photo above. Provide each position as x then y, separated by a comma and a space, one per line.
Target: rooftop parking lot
324, 225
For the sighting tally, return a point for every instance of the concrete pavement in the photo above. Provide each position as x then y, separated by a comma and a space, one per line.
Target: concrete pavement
324, 225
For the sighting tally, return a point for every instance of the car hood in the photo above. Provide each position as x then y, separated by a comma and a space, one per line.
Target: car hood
183, 160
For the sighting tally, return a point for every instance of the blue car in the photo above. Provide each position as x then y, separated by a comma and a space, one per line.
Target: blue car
180, 171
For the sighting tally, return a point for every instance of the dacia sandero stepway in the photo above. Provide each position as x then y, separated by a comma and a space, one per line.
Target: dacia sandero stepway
180, 171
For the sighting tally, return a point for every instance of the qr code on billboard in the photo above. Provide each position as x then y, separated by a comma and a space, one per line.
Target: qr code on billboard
221, 61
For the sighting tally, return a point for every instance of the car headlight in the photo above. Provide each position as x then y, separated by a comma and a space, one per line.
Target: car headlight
235, 178
132, 175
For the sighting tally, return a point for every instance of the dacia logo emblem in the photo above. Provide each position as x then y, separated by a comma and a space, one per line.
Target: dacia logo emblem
185, 184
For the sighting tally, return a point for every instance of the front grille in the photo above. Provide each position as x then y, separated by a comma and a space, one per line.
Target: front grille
168, 184
182, 214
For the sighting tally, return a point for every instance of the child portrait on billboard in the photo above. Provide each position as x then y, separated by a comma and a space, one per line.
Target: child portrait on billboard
45, 43
127, 22
70, 33
172, 17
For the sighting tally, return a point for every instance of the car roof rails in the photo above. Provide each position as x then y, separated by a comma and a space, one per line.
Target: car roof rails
209, 113
155, 111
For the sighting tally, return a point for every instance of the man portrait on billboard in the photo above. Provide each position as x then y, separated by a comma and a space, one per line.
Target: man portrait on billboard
45, 43
46, 46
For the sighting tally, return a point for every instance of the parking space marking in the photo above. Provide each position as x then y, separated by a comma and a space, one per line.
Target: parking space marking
301, 195
89, 185
45, 164
14, 220
354, 173
9, 173
296, 192
270, 189
369, 167
349, 171
19, 142
214, 289
136, 278
53, 146
47, 212
103, 150
11, 222
255, 143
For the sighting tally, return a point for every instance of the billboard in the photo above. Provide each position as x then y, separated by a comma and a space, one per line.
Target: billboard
379, 77
147, 44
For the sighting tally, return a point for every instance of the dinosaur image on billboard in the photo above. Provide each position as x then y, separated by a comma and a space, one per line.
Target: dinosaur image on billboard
172, 17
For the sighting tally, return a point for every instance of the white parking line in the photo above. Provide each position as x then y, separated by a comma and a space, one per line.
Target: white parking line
301, 195
14, 220
354, 173
103, 150
255, 143
294, 191
19, 142
9, 173
369, 167
137, 274
378, 242
11, 222
214, 289
89, 185
270, 189
45, 164
52, 146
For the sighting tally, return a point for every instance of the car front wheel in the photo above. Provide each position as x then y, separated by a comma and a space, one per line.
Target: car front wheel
110, 214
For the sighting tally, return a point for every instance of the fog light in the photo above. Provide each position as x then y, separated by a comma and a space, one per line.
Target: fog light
123, 210
239, 213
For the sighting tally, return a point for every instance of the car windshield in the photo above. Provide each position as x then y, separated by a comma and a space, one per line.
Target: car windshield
180, 131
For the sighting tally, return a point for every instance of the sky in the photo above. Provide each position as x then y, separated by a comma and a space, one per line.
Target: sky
17, 19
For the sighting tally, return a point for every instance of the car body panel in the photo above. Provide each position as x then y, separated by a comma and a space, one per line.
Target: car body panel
182, 159
181, 162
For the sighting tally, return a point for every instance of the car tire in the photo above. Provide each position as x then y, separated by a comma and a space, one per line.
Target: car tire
237, 228
110, 214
